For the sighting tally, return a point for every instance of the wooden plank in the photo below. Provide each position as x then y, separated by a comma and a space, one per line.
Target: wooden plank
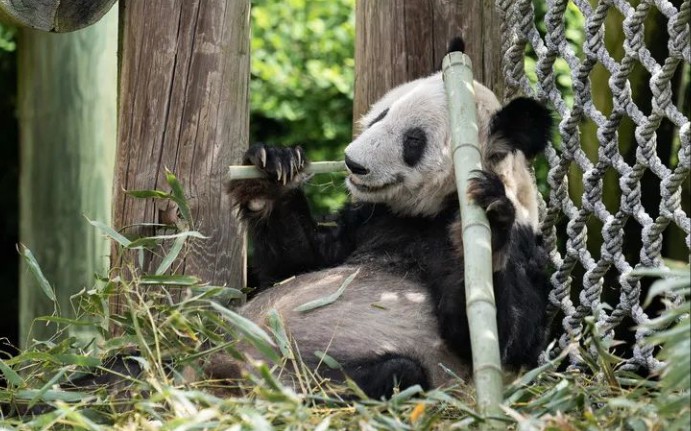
184, 105
400, 40
67, 117
54, 15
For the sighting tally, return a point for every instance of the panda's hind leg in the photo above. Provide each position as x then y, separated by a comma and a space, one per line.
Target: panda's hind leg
379, 377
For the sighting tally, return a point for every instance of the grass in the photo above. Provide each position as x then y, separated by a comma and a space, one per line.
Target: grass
169, 341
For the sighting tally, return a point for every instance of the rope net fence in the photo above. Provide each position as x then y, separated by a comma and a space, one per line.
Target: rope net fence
613, 136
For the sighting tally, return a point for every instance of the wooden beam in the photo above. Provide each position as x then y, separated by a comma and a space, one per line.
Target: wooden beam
53, 15
400, 40
184, 105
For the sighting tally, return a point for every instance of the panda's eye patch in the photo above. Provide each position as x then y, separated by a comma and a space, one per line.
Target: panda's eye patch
379, 117
414, 143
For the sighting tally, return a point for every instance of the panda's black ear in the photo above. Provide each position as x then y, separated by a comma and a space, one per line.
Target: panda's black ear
456, 44
525, 123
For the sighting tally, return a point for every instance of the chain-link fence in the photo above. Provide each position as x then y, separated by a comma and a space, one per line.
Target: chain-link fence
571, 211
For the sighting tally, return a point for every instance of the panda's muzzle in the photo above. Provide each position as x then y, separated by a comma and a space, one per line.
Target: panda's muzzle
355, 167
356, 183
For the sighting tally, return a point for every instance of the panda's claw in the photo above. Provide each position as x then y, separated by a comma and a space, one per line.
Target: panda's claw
298, 153
301, 157
293, 169
279, 164
262, 156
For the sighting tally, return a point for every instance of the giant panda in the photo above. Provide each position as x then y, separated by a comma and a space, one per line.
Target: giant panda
403, 314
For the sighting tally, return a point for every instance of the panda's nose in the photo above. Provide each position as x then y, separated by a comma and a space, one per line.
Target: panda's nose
354, 167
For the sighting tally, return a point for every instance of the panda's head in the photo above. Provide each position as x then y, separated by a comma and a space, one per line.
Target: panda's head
402, 156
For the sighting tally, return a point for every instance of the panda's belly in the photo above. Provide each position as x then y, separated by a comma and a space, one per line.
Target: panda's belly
377, 314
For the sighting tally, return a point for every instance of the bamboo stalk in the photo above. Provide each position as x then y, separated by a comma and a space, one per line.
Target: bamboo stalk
250, 172
477, 250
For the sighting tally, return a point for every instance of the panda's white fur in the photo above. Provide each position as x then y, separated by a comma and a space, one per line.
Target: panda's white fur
395, 318
403, 314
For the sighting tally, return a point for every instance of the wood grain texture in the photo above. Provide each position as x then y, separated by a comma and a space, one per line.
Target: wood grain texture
184, 105
54, 15
67, 117
400, 40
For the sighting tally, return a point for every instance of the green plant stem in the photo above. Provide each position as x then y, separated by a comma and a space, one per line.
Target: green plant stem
251, 172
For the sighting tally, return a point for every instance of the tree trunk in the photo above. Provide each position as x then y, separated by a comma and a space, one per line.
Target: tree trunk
67, 116
400, 40
184, 75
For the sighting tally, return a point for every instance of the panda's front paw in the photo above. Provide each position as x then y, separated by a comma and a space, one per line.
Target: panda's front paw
282, 164
282, 168
487, 190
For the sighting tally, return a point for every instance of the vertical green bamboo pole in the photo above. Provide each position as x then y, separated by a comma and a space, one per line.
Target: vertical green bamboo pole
477, 249
67, 118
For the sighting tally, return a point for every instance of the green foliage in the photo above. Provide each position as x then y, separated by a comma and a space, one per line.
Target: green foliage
7, 35
671, 331
301, 89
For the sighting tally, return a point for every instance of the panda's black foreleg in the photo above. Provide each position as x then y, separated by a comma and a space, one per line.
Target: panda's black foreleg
285, 237
379, 377
519, 278
521, 289
446, 279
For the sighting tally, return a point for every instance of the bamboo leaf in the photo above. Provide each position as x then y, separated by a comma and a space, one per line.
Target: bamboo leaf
279, 332
253, 333
326, 300
143, 242
407, 393
149, 241
144, 194
171, 255
178, 196
65, 321
269, 378
328, 360
38, 396
11, 376
79, 360
110, 232
169, 280
52, 395
660, 287
35, 269
221, 294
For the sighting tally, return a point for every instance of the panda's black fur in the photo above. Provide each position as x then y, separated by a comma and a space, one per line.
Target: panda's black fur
420, 249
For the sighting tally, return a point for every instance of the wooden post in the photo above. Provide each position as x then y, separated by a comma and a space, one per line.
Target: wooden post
184, 76
401, 40
67, 118
53, 15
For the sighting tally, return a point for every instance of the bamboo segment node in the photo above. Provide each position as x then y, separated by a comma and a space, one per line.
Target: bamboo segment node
480, 304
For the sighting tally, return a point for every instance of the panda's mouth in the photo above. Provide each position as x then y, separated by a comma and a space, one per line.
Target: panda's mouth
357, 183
